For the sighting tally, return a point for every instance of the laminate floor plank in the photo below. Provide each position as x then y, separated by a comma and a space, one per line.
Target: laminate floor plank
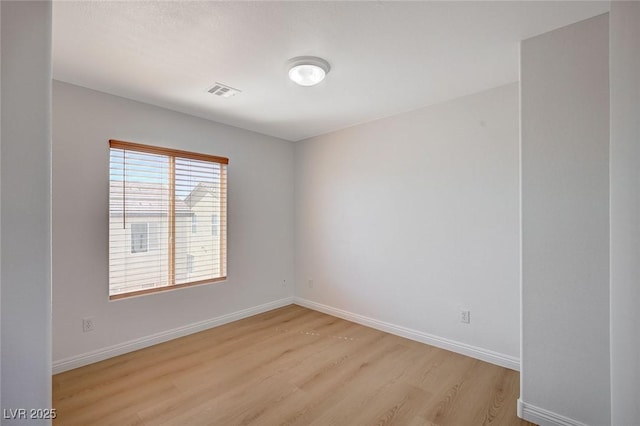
289, 366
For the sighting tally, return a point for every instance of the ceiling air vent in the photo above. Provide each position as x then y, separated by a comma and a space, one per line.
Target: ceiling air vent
223, 90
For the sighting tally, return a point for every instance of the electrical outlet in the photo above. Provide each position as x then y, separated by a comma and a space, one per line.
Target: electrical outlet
465, 316
284, 283
310, 283
87, 324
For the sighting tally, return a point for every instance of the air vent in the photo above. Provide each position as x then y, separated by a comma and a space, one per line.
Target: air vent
223, 90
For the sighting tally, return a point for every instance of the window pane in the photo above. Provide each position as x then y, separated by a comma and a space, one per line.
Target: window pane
138, 206
198, 192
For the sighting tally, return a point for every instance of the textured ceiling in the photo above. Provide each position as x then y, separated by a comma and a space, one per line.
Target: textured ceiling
386, 57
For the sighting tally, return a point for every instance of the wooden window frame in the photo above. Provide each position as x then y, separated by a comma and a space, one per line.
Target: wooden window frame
172, 154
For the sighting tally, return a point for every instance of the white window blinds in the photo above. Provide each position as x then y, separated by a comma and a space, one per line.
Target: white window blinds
160, 202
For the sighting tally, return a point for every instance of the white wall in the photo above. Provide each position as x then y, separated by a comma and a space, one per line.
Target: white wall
407, 219
565, 223
0, 208
26, 176
625, 212
260, 205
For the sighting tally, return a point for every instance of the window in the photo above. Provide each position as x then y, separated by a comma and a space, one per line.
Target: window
139, 237
155, 196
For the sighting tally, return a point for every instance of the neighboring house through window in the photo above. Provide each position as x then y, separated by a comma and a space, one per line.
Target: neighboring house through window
215, 220
190, 261
139, 237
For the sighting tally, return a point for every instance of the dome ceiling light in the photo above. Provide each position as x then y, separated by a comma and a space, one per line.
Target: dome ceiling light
308, 70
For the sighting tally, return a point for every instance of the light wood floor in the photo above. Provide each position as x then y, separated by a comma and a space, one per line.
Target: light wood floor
289, 366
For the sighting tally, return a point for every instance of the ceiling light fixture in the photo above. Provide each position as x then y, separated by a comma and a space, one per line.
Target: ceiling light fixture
308, 70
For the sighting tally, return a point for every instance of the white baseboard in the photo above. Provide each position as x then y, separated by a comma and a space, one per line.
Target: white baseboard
76, 361
543, 417
502, 360
133, 345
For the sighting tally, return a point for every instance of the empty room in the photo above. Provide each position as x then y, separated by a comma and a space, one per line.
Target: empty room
320, 212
